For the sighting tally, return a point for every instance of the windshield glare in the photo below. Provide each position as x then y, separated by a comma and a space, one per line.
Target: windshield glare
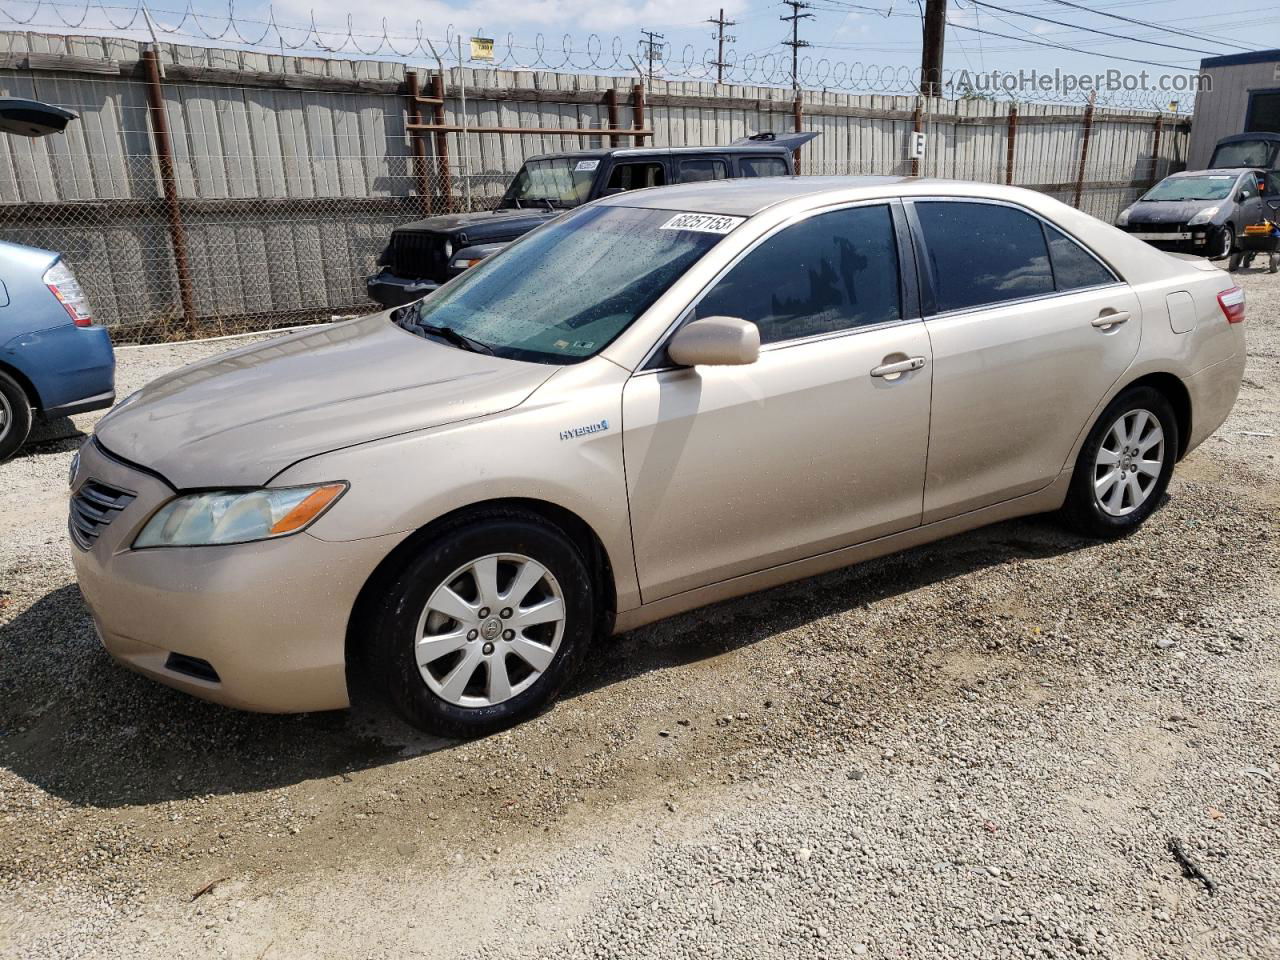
1214, 187
562, 293
561, 182
1245, 153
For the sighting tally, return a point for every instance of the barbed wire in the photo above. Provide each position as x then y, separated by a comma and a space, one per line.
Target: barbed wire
598, 54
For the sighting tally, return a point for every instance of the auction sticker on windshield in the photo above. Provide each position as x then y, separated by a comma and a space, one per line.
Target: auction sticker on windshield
702, 222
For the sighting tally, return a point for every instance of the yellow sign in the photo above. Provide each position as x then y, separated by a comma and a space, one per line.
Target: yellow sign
481, 48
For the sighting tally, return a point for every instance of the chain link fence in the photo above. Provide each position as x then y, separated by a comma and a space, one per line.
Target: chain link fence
279, 191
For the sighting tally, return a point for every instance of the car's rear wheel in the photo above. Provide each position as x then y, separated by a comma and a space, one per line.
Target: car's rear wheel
484, 626
15, 416
1124, 466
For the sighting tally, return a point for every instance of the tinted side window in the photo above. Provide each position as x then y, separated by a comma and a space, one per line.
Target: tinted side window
1073, 267
703, 168
634, 176
831, 272
762, 166
983, 253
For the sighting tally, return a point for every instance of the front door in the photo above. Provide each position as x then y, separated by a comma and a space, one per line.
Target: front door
1029, 332
816, 445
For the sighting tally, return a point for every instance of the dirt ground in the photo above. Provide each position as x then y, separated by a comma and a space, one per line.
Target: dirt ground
980, 748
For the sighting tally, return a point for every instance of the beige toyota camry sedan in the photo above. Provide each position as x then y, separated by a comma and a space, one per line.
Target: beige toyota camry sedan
660, 400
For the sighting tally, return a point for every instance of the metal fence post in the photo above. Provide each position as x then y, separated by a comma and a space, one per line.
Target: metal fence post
442, 143
1155, 150
169, 183
797, 114
1011, 139
611, 101
419, 148
637, 108
917, 125
1084, 151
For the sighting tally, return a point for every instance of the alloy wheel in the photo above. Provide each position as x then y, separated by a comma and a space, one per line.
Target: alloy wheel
6, 415
1127, 466
490, 630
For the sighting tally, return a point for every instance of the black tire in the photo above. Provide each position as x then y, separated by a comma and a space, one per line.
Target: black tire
1237, 260
1225, 242
1082, 511
15, 417
395, 617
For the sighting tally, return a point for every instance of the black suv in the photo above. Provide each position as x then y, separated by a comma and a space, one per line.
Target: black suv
425, 253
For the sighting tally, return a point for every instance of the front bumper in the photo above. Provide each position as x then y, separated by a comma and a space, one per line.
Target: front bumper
258, 626
1182, 239
391, 290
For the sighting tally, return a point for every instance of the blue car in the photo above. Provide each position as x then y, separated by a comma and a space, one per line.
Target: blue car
54, 360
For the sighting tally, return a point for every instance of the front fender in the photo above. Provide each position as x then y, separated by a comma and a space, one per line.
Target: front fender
562, 446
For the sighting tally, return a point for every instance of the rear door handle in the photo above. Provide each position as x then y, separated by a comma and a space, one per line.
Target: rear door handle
897, 367
1110, 319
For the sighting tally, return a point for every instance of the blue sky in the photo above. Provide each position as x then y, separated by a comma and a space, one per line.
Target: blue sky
881, 36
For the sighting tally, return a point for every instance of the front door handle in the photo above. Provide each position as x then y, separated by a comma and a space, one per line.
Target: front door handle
1110, 319
899, 366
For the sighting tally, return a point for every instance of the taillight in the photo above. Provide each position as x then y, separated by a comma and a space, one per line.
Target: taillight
62, 283
1232, 303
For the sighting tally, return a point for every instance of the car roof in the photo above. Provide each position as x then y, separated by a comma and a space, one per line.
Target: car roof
1215, 172
768, 149
1257, 135
747, 196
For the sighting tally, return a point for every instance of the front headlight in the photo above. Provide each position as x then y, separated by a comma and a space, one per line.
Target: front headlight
237, 516
1203, 216
1123, 218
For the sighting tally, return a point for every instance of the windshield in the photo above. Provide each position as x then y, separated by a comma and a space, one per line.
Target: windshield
1244, 153
563, 292
560, 182
1210, 187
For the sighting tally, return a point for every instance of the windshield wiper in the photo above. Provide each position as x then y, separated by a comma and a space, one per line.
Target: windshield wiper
453, 337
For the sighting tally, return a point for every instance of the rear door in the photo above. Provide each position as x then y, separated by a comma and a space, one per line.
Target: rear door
1029, 331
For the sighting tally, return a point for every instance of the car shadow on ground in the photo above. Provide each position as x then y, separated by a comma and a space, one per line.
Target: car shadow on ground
80, 727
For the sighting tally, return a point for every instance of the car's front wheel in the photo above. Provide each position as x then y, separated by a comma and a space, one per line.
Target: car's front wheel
1224, 243
485, 625
1124, 466
15, 416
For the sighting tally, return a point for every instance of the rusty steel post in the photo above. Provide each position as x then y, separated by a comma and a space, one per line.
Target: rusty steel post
169, 182
1155, 150
611, 101
419, 147
1084, 151
637, 109
797, 114
1012, 138
442, 145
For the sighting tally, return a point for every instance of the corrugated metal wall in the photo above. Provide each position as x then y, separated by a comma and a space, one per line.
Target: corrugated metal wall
288, 193
1221, 108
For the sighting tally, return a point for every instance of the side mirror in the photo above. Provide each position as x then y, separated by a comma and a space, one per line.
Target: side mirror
715, 342
1242, 196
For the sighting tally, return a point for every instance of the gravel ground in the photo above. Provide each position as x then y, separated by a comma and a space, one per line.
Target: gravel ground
980, 748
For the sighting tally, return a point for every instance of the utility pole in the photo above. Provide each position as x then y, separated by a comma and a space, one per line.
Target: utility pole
935, 26
653, 44
721, 23
795, 43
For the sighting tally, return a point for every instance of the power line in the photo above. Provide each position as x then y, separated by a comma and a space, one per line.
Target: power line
1059, 46
795, 43
1105, 33
1155, 26
720, 23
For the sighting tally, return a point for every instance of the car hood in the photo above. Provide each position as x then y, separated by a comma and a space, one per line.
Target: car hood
482, 226
1170, 211
241, 418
